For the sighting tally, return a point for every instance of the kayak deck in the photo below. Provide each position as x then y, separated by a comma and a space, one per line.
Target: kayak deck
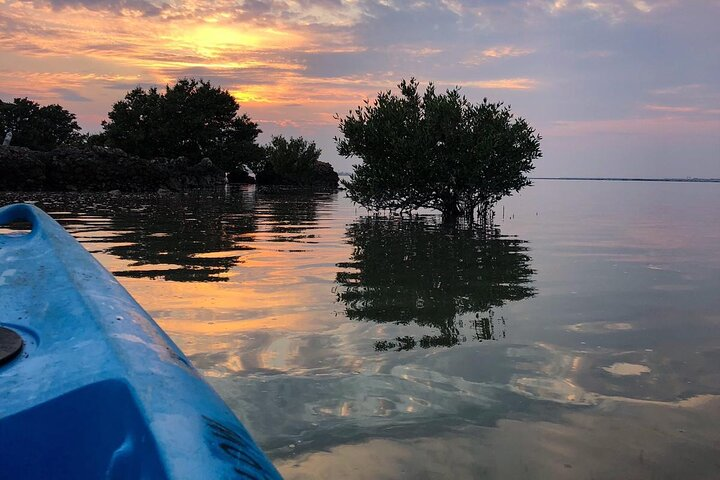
107, 435
99, 390
10, 345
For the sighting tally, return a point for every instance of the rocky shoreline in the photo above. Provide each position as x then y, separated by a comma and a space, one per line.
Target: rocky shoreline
101, 169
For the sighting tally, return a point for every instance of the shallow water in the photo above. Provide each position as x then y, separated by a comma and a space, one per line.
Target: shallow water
577, 339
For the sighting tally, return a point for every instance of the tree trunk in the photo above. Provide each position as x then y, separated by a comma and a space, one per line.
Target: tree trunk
450, 209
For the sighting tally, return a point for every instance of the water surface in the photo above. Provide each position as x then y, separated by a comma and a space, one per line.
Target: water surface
577, 338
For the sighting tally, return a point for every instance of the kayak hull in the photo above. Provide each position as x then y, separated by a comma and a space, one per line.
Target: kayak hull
99, 390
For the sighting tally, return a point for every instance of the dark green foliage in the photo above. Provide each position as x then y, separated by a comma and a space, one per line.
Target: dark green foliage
292, 158
295, 162
136, 124
96, 139
436, 151
192, 119
36, 127
434, 276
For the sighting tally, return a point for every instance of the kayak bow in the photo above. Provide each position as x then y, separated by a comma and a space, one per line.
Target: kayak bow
98, 390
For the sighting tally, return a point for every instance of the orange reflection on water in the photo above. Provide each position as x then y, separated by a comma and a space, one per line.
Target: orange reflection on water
284, 282
222, 307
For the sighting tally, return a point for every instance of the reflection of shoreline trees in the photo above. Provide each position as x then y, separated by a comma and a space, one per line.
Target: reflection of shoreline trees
404, 272
290, 213
200, 236
184, 238
197, 236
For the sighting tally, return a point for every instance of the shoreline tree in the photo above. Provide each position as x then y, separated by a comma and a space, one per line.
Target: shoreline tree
294, 162
38, 127
436, 151
192, 119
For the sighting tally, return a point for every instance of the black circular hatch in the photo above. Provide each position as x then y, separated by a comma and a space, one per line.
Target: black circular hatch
10, 345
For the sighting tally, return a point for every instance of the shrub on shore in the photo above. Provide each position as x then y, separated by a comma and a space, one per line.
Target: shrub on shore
295, 162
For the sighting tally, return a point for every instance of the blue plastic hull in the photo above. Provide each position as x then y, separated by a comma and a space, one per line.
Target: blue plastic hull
99, 390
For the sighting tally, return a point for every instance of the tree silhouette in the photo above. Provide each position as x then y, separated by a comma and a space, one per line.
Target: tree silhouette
436, 151
191, 118
420, 272
38, 127
295, 162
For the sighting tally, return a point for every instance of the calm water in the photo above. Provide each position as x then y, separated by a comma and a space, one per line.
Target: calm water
577, 339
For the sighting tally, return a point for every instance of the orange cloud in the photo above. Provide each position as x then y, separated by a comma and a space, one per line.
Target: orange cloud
506, 51
503, 84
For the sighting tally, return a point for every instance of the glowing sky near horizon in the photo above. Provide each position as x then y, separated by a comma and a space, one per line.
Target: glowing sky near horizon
615, 87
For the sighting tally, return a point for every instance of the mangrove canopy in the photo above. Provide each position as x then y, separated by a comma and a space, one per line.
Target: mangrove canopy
437, 151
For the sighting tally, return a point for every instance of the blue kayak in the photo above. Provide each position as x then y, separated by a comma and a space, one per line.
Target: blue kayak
90, 386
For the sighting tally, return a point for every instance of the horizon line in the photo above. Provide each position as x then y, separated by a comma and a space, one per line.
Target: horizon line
635, 179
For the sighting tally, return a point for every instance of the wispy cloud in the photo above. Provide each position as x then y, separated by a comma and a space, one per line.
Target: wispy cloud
43, 84
677, 89
70, 95
671, 109
645, 126
502, 84
495, 53
612, 10
506, 51
682, 109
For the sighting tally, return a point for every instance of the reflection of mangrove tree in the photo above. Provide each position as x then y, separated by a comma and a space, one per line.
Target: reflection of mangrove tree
405, 272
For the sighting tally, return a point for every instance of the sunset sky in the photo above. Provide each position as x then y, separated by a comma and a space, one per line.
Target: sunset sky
615, 87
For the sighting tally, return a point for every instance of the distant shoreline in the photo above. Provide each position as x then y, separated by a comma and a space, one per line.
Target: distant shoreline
610, 179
